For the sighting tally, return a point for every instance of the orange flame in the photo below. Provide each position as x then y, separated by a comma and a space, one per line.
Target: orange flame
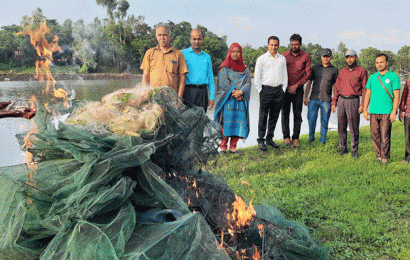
260, 228
28, 157
33, 101
45, 52
241, 215
256, 255
222, 239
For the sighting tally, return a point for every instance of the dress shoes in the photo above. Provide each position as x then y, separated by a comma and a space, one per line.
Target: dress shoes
262, 146
296, 143
384, 162
272, 143
287, 141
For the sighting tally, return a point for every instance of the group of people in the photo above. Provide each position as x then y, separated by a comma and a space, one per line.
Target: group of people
280, 80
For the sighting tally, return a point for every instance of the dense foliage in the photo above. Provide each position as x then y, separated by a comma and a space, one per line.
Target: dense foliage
118, 44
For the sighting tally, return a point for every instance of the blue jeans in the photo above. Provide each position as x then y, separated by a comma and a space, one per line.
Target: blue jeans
313, 109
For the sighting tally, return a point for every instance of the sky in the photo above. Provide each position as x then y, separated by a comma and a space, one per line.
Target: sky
358, 23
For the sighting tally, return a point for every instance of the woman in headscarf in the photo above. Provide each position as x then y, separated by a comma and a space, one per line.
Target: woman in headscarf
232, 99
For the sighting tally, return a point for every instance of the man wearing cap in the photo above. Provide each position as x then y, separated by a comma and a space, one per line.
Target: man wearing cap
350, 85
381, 88
324, 76
200, 77
163, 65
299, 71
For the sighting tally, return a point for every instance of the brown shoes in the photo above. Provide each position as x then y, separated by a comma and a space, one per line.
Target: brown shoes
294, 141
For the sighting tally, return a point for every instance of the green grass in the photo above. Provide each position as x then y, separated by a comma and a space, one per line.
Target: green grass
6, 68
358, 208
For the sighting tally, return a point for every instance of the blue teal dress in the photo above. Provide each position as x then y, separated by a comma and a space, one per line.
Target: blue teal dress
233, 115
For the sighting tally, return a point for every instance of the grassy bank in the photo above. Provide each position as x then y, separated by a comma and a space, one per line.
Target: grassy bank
4, 69
358, 208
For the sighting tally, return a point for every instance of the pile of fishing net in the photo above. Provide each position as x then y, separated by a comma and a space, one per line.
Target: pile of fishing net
125, 111
114, 196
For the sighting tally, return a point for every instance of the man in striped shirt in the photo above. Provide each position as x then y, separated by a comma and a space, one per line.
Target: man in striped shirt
299, 72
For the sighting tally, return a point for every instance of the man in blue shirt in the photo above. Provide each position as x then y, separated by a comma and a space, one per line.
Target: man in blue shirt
200, 78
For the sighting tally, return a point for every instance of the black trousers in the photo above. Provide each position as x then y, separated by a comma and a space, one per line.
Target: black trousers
296, 100
196, 97
270, 104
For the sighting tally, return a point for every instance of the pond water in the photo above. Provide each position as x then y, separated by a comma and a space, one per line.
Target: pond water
10, 153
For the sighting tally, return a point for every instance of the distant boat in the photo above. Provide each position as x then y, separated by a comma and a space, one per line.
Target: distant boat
332, 127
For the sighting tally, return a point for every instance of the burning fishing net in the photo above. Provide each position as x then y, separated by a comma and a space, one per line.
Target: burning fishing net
116, 196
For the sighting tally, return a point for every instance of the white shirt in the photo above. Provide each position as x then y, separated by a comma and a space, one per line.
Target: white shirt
270, 71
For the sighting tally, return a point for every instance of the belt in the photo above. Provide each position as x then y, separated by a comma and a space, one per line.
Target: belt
196, 86
349, 97
270, 87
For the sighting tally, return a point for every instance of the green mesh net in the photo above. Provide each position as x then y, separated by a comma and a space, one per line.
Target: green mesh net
100, 195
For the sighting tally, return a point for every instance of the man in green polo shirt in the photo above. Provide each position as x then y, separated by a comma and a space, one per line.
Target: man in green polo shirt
383, 95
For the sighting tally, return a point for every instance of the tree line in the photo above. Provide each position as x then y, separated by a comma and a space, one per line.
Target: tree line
118, 44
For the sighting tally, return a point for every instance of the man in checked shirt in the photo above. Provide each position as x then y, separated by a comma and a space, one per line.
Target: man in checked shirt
324, 76
350, 85
405, 113
299, 72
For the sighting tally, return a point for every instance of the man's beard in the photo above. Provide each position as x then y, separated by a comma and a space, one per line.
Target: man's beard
352, 66
295, 51
385, 68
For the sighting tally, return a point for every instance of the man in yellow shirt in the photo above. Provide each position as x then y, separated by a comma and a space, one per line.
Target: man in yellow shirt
163, 65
